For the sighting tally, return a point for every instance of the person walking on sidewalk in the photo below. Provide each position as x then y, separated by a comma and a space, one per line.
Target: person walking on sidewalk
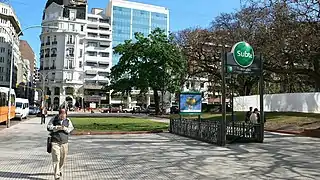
44, 114
60, 128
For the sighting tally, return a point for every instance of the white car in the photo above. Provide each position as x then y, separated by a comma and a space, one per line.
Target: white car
128, 110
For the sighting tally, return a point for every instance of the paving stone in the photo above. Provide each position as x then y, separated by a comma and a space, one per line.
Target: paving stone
156, 156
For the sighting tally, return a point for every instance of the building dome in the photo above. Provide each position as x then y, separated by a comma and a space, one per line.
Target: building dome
60, 2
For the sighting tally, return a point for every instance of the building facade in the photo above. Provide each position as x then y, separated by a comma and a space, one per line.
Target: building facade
61, 62
75, 57
98, 58
28, 65
10, 28
128, 18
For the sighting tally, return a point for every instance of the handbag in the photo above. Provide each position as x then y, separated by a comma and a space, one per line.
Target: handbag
49, 145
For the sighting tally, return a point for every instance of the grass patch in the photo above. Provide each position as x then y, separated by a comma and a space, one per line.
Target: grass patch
116, 124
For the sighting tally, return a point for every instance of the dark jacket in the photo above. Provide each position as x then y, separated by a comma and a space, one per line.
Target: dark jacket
59, 136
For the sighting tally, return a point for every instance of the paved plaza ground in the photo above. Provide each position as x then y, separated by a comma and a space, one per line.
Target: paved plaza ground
156, 156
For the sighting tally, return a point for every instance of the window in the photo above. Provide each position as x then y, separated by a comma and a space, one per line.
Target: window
80, 53
2, 50
54, 51
55, 38
81, 27
70, 39
103, 54
1, 78
104, 36
90, 53
47, 52
94, 44
1, 59
70, 64
80, 64
70, 52
72, 27
81, 41
2, 39
1, 69
48, 39
202, 85
72, 15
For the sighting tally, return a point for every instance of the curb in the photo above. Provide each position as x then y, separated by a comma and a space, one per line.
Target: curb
115, 133
285, 132
305, 133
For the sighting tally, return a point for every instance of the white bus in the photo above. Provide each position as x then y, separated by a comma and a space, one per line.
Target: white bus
22, 108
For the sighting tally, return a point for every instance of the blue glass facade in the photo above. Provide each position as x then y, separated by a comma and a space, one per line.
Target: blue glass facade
142, 21
120, 28
159, 20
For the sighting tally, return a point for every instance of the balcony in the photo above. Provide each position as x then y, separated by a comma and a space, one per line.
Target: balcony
42, 44
70, 42
54, 42
53, 55
91, 72
47, 55
47, 43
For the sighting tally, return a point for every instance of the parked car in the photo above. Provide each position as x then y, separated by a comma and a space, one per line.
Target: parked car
151, 109
130, 110
174, 110
111, 109
34, 110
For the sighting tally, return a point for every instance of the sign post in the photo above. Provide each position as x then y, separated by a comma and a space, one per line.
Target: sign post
242, 60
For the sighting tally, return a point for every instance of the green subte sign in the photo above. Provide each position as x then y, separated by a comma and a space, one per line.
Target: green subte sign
243, 54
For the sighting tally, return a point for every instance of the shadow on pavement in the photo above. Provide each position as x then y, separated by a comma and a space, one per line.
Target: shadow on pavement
166, 156
23, 175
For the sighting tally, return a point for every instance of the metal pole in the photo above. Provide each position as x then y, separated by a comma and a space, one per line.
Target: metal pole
11, 64
224, 118
11, 74
232, 92
261, 92
43, 91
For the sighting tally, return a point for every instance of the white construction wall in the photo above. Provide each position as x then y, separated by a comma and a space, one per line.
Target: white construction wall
289, 102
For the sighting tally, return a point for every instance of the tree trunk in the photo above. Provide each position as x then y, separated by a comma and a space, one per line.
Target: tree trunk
156, 100
317, 85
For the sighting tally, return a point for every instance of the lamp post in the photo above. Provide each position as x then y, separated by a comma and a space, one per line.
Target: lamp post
12, 59
44, 76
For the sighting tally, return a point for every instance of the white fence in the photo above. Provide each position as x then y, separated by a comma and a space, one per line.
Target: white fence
289, 102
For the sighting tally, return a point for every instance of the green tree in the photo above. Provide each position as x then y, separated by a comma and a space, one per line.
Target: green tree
149, 62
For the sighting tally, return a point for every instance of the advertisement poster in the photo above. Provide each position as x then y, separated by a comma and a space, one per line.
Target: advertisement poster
190, 102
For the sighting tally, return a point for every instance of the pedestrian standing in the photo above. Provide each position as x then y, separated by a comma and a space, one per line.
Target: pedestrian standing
60, 128
44, 114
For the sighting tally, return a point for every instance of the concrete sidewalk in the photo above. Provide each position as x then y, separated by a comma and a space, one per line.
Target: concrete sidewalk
156, 156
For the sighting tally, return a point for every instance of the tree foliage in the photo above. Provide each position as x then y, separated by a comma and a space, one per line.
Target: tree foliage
286, 32
148, 62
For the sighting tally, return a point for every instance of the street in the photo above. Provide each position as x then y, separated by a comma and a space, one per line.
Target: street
156, 156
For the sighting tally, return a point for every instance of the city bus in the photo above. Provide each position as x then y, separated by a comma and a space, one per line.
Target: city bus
4, 110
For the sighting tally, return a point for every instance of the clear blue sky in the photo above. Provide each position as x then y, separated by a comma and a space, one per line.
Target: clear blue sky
183, 14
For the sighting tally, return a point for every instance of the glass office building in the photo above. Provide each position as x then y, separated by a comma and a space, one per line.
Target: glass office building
130, 17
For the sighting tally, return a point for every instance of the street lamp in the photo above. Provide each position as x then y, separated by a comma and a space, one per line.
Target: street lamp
12, 59
44, 76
